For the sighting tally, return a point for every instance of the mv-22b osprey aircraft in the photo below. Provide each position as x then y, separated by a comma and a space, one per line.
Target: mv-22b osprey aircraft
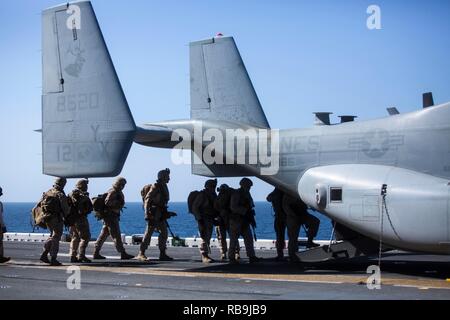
386, 178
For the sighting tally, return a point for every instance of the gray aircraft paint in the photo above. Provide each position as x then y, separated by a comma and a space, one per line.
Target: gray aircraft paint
88, 130
87, 127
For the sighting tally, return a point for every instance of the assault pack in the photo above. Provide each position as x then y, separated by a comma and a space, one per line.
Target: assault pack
79, 205
145, 190
46, 208
38, 218
191, 199
72, 216
50, 204
99, 206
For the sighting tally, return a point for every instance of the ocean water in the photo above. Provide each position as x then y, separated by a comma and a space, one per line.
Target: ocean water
17, 217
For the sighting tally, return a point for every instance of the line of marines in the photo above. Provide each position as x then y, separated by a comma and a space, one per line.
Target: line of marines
224, 210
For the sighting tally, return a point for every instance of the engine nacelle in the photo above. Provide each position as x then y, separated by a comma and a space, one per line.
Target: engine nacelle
415, 212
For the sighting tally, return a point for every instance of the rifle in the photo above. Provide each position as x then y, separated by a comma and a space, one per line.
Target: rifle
176, 241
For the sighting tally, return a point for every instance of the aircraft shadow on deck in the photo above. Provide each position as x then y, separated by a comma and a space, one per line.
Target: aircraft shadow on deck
427, 269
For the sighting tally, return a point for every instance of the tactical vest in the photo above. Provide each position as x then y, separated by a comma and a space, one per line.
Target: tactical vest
161, 198
115, 201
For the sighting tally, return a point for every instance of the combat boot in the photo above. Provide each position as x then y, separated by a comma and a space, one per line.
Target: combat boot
98, 256
164, 257
280, 257
74, 259
206, 259
141, 257
254, 259
233, 261
44, 257
84, 259
126, 256
55, 262
294, 259
4, 259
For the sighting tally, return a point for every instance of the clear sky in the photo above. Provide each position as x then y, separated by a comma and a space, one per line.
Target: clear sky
302, 56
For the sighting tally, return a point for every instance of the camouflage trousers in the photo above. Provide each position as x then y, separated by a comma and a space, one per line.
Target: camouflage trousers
221, 232
81, 236
51, 245
205, 228
162, 238
1, 242
240, 228
279, 225
293, 224
110, 227
312, 225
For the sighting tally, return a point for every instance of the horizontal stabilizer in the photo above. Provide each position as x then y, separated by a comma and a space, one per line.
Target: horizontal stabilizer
219, 170
87, 127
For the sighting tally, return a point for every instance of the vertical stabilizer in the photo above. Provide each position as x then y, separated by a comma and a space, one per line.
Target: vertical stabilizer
87, 127
220, 86
427, 100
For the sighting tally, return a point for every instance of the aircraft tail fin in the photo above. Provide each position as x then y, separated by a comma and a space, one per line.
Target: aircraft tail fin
221, 88
87, 126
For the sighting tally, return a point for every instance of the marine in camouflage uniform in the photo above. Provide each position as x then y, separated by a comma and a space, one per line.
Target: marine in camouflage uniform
222, 205
79, 230
279, 224
55, 223
204, 212
296, 215
240, 204
155, 207
114, 203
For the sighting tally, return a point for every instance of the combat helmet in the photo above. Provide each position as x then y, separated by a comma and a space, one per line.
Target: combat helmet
245, 182
60, 182
162, 174
120, 181
211, 183
83, 183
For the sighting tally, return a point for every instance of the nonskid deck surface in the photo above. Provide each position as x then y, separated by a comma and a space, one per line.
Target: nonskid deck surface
404, 276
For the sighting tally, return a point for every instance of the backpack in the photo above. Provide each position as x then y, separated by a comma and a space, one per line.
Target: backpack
72, 217
98, 203
37, 217
222, 202
50, 204
191, 199
145, 191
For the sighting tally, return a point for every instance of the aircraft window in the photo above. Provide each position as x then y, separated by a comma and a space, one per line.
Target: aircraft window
335, 194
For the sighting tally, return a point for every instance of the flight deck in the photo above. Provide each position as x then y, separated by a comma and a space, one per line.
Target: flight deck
404, 276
